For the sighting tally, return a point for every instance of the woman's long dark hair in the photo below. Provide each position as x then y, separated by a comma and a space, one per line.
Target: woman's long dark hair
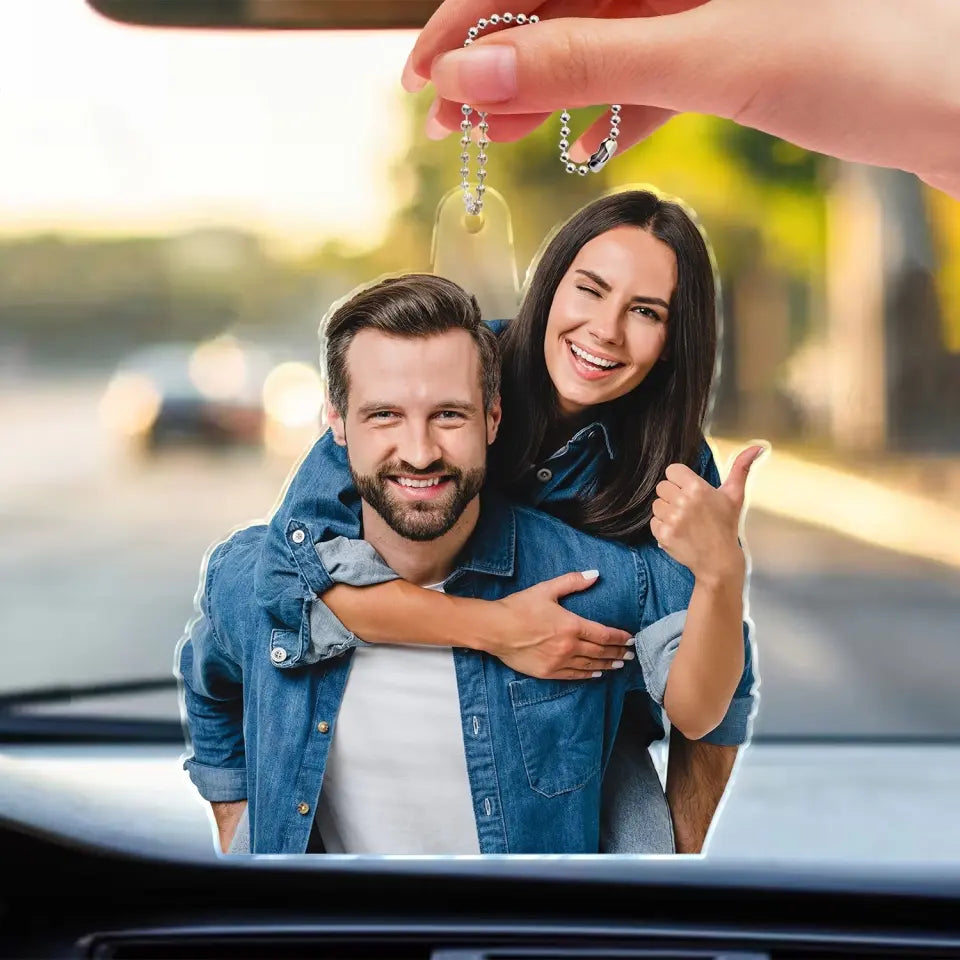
661, 420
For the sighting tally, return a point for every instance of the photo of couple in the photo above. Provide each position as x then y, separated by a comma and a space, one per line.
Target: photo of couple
506, 569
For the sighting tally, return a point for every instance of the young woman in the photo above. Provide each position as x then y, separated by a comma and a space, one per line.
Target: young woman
606, 376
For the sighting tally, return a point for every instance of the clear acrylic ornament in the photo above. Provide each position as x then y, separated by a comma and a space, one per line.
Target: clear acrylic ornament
477, 252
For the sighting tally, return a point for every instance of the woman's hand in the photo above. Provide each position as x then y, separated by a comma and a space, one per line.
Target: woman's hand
542, 639
529, 630
873, 81
697, 524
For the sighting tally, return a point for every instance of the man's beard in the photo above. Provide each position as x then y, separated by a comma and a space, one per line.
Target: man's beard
419, 519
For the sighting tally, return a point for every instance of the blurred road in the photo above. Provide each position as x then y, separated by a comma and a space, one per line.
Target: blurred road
99, 562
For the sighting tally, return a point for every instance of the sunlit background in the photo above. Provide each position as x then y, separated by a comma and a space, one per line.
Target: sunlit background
179, 210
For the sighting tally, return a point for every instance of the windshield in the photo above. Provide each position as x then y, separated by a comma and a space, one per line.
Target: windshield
180, 209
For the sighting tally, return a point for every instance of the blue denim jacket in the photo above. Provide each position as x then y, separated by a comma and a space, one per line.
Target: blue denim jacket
261, 718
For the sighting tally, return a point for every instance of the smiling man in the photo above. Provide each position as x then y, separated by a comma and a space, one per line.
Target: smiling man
425, 749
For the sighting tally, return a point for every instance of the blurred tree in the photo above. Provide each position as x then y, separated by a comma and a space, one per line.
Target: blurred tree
944, 213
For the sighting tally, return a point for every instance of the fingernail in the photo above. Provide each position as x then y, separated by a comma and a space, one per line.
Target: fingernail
578, 154
617, 664
596, 673
629, 655
434, 129
590, 574
631, 641
411, 81
486, 74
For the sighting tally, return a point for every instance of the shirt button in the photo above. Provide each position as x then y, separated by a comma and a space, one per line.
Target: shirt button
543, 474
303, 808
323, 726
297, 536
278, 654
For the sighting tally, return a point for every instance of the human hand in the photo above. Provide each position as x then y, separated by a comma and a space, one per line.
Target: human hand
446, 31
697, 524
873, 81
544, 640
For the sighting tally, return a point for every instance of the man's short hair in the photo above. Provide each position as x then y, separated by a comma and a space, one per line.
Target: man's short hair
414, 305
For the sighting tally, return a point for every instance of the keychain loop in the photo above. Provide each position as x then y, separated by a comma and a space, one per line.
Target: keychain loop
473, 201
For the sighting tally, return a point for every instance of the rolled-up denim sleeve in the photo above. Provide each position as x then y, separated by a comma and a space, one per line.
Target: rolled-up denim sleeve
212, 689
322, 492
656, 646
352, 562
737, 724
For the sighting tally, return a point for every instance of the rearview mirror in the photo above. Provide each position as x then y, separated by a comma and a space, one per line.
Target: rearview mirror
271, 14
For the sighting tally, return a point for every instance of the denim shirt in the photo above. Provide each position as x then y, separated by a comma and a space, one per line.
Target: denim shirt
261, 716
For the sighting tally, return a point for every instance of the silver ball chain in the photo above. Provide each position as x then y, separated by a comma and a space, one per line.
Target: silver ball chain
474, 201
598, 160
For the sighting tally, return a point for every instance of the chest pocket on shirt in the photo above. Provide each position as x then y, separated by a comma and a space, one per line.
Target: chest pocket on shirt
560, 724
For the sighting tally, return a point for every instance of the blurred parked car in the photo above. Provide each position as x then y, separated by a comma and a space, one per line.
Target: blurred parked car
222, 392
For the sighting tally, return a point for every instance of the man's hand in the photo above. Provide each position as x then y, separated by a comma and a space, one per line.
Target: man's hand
542, 639
698, 524
228, 816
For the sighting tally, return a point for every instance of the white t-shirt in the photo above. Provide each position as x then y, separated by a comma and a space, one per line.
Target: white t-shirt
396, 774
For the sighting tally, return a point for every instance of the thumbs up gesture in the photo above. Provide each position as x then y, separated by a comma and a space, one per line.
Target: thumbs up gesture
698, 524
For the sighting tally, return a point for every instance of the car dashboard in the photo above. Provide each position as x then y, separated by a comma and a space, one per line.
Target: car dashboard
108, 852
61, 901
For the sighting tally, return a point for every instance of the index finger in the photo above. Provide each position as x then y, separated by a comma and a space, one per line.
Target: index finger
667, 490
682, 475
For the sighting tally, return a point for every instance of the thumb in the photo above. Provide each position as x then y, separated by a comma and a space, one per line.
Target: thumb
569, 583
666, 62
734, 487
